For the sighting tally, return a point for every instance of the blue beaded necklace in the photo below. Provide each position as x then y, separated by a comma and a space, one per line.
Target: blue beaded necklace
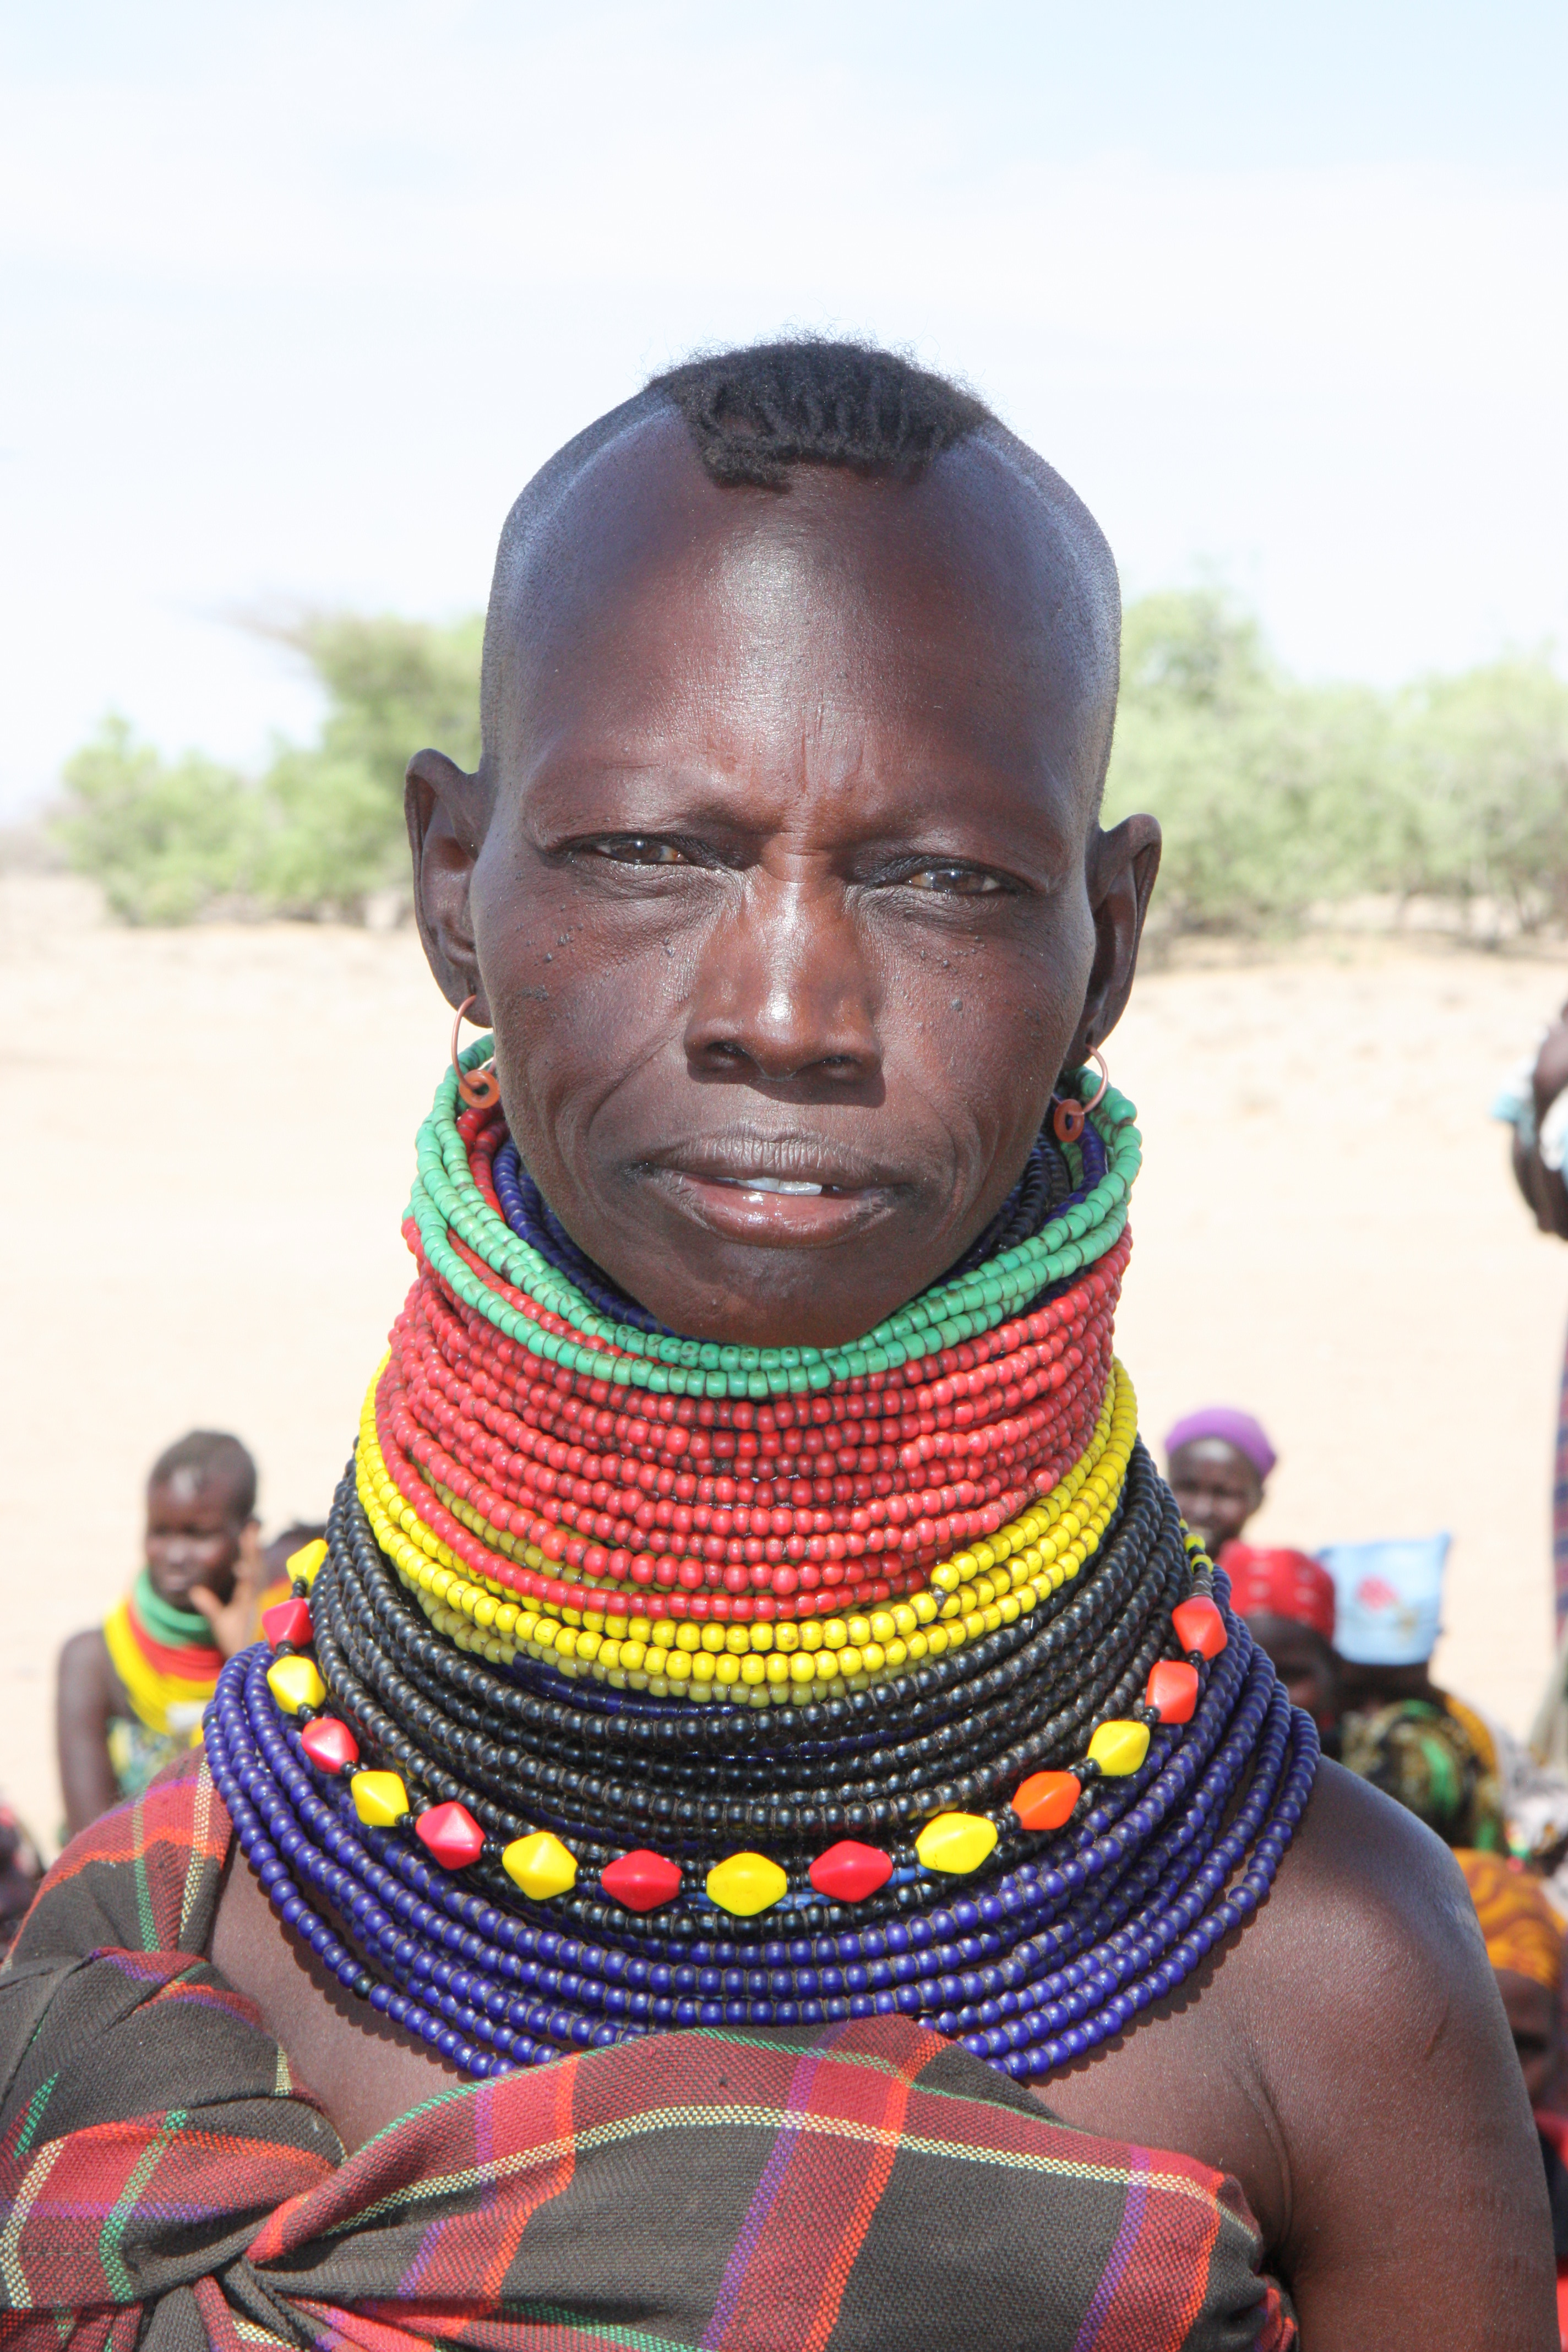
1037, 1967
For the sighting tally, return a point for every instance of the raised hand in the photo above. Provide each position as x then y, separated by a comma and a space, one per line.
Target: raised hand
233, 1622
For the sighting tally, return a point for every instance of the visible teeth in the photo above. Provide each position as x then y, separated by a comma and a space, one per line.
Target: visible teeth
776, 1185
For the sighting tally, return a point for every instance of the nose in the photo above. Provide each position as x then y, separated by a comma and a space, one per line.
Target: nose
783, 990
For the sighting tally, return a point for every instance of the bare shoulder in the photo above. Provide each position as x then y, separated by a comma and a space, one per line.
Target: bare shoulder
84, 1659
1412, 2178
1368, 1899
1344, 2056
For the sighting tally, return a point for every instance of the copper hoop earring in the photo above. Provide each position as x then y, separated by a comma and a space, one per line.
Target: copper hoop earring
480, 1089
1069, 1118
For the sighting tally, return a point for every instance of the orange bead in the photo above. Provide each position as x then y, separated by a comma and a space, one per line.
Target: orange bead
1173, 1691
1199, 1626
1046, 1799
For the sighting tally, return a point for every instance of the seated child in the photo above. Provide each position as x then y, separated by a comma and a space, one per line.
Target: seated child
132, 1692
1217, 1460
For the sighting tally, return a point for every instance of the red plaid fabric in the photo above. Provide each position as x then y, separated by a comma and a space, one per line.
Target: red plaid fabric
164, 2183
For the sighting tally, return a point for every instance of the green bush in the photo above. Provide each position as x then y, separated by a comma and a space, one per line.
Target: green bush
323, 827
1276, 797
1477, 805
165, 838
336, 809
1264, 788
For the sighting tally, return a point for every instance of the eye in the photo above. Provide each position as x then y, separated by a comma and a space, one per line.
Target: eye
638, 849
954, 881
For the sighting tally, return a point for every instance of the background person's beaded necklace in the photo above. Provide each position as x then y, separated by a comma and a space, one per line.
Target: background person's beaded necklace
644, 1682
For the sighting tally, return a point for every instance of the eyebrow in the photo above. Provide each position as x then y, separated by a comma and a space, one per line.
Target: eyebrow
699, 792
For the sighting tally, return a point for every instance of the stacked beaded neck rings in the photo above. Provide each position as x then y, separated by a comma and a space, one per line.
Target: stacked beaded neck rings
645, 1683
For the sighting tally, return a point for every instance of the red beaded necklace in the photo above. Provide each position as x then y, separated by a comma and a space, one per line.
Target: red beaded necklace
727, 1508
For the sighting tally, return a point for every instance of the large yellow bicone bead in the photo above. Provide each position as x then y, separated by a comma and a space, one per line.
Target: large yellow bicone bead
305, 1563
1119, 1747
955, 1842
541, 1865
294, 1683
745, 1884
381, 1801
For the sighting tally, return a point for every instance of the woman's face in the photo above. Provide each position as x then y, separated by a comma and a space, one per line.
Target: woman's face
1303, 1661
1217, 1489
792, 903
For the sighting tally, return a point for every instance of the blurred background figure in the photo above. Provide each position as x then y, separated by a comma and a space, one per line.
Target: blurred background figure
21, 1867
1524, 1944
1534, 1102
276, 1554
132, 1691
1288, 1599
1419, 1744
1219, 1462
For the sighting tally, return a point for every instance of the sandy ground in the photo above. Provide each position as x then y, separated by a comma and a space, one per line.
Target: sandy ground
208, 1140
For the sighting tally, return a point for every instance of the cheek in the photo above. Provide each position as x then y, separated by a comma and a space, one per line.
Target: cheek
985, 1027
576, 1000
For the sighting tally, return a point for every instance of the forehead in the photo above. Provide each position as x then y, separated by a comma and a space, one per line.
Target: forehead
1211, 1457
958, 606
191, 1491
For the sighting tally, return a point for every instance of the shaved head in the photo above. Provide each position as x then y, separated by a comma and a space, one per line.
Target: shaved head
782, 881
752, 418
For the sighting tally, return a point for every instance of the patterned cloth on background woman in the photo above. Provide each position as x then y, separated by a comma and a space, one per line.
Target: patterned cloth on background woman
1524, 1937
1437, 1760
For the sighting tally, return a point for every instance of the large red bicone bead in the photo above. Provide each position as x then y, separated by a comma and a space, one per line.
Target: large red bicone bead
1199, 1626
641, 1880
329, 1744
289, 1621
1172, 1690
452, 1835
848, 1872
1045, 1800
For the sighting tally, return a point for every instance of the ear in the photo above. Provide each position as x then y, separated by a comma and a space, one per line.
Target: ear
1123, 865
446, 827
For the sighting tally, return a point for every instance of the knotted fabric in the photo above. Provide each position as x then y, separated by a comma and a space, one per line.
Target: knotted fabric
166, 2182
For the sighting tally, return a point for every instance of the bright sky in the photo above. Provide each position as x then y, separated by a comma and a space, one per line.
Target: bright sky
296, 297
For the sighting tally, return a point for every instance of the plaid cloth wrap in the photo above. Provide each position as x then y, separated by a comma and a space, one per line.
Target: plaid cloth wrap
165, 2184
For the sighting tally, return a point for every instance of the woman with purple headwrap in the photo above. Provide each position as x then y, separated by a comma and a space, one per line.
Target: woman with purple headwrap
1217, 1460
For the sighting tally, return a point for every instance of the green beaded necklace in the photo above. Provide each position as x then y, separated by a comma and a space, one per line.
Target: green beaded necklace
445, 1196
176, 1628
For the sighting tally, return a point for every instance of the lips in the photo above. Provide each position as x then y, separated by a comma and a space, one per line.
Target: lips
778, 1191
